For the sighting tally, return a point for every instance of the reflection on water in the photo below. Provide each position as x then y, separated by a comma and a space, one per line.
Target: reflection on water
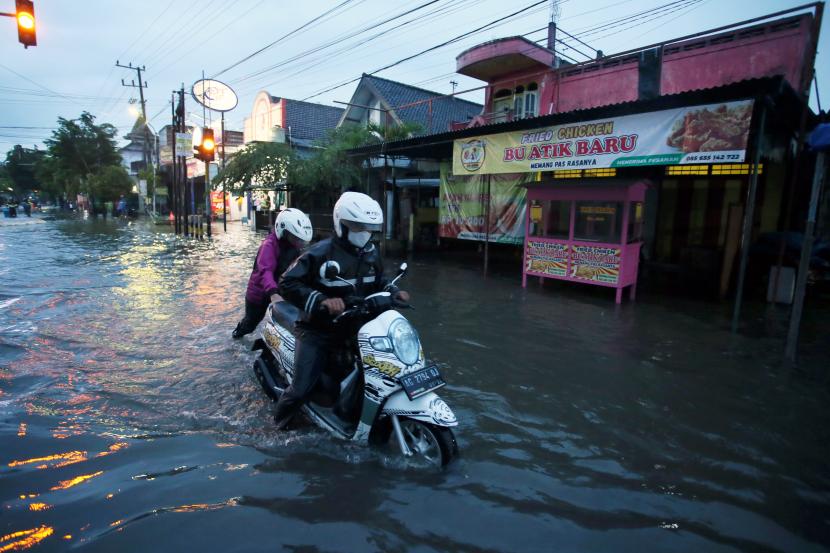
129, 420
66, 484
24, 539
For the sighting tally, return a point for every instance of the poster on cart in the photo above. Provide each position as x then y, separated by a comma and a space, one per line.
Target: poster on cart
595, 263
712, 133
463, 207
547, 258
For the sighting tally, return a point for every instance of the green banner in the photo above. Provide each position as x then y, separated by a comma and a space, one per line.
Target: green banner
464, 212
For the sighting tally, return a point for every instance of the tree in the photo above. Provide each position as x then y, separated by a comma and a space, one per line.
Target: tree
78, 153
331, 170
20, 168
263, 163
109, 183
327, 172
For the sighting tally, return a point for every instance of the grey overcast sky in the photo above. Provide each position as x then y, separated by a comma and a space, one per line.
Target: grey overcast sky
73, 67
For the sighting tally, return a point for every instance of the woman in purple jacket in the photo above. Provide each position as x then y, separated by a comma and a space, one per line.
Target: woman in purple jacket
292, 233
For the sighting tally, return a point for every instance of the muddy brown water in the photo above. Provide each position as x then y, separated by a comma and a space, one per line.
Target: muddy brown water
130, 421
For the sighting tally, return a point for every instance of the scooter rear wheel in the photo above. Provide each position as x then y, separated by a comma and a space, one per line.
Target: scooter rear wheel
434, 444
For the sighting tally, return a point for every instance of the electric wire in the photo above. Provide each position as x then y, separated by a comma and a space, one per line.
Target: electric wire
430, 49
334, 41
283, 37
310, 65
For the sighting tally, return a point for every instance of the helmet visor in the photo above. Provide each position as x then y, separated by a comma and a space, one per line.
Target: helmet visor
354, 226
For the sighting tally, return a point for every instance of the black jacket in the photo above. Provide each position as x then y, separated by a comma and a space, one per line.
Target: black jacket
304, 287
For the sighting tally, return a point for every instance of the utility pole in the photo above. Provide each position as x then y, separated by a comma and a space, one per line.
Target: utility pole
140, 86
180, 112
174, 196
224, 191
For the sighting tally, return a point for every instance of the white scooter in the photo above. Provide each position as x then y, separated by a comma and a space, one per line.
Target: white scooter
376, 386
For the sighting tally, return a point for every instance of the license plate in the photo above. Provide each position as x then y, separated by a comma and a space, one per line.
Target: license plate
421, 382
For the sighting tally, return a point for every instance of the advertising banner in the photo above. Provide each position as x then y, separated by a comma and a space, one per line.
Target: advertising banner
547, 258
216, 203
464, 202
597, 263
713, 133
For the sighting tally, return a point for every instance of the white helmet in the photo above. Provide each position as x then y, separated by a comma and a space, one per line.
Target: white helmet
360, 214
295, 222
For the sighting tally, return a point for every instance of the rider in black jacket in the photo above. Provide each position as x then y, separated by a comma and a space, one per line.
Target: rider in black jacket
304, 284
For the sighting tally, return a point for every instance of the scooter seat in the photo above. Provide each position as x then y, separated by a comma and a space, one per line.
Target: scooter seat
285, 314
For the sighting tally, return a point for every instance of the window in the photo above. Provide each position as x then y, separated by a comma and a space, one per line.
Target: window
598, 221
531, 108
518, 102
502, 102
550, 219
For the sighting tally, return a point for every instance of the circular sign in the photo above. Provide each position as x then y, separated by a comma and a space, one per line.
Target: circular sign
214, 95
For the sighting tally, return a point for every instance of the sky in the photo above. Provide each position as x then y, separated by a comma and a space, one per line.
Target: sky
72, 68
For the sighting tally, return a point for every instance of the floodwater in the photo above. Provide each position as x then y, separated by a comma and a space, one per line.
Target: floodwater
130, 421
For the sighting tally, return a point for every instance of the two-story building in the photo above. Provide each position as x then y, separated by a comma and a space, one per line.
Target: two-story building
685, 118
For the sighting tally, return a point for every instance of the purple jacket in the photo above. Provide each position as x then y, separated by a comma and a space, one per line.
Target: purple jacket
272, 259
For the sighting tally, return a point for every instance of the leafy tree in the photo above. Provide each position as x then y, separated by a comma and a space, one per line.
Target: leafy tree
109, 183
20, 168
327, 172
331, 170
262, 163
78, 150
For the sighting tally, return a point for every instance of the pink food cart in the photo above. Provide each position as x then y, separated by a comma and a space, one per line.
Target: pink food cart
585, 231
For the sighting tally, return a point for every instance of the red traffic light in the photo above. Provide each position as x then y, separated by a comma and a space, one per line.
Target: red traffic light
25, 16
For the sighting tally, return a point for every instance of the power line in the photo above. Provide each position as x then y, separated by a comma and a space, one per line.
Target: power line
336, 40
283, 37
351, 48
430, 49
219, 32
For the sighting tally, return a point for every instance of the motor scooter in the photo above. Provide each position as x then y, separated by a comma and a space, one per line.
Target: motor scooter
377, 387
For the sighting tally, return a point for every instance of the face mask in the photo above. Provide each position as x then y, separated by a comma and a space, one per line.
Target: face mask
359, 239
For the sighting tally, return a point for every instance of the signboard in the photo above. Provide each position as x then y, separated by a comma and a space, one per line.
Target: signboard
463, 207
547, 258
597, 263
216, 203
713, 133
214, 95
142, 187
184, 144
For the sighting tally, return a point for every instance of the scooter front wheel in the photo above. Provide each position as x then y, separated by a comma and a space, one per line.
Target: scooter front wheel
434, 444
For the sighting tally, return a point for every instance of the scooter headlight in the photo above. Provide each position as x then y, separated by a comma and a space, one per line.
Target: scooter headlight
405, 341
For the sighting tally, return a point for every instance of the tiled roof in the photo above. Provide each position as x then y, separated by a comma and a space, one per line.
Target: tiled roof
445, 109
309, 121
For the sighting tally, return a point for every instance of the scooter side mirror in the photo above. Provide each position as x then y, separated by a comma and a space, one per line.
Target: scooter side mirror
330, 270
403, 268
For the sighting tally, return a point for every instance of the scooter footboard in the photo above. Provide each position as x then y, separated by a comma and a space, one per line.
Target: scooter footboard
427, 408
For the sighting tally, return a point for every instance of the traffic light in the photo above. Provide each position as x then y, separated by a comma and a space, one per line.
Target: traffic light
207, 149
25, 15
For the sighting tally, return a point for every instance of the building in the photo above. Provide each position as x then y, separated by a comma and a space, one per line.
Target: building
301, 124
385, 102
133, 154
553, 125
408, 188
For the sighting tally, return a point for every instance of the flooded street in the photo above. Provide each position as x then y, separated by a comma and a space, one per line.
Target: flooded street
130, 421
